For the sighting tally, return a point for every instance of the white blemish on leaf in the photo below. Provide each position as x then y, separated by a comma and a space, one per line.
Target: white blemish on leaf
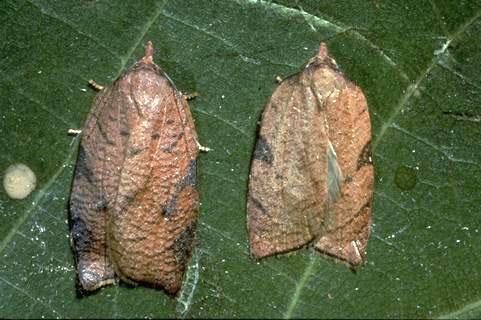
19, 181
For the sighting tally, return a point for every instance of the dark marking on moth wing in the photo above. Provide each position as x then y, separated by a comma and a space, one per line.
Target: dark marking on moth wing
82, 166
263, 151
169, 209
366, 156
102, 131
133, 151
188, 180
80, 234
257, 204
101, 204
191, 177
176, 139
111, 117
274, 105
183, 244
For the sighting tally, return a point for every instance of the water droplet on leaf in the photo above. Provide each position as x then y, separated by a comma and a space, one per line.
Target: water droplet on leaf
405, 178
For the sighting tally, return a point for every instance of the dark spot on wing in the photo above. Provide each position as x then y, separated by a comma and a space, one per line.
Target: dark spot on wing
258, 204
83, 169
175, 139
102, 131
191, 178
183, 244
263, 151
365, 157
81, 235
188, 180
101, 204
133, 151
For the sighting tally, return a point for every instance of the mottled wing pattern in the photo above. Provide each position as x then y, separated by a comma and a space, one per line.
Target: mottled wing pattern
134, 203
152, 222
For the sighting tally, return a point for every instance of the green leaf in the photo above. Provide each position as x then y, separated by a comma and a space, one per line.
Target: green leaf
418, 63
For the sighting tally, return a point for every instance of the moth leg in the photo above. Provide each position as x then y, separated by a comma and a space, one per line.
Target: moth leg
189, 96
201, 147
95, 85
348, 225
74, 132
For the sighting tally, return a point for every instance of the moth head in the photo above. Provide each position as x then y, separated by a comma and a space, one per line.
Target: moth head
322, 58
148, 53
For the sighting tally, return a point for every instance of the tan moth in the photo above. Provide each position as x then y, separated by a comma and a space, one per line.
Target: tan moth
311, 179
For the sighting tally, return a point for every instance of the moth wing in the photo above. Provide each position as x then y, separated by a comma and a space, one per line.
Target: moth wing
288, 181
152, 225
93, 189
349, 217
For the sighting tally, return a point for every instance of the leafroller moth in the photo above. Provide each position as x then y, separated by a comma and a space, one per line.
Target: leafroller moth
311, 179
134, 202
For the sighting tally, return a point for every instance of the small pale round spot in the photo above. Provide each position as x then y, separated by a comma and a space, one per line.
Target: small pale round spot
19, 181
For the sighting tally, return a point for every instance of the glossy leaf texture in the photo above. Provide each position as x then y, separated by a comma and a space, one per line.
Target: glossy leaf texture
417, 62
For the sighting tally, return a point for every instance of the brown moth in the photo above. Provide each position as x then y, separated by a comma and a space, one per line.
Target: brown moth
134, 201
311, 179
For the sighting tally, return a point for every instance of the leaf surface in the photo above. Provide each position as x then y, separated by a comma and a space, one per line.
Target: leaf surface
418, 63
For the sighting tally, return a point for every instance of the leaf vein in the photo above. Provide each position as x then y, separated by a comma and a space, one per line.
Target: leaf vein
411, 89
145, 28
204, 31
299, 288
73, 27
432, 145
329, 24
227, 122
467, 311
36, 300
45, 108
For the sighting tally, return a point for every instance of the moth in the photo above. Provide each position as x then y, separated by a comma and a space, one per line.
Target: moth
134, 202
311, 178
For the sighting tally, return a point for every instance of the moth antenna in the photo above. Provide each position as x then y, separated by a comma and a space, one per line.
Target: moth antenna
148, 53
